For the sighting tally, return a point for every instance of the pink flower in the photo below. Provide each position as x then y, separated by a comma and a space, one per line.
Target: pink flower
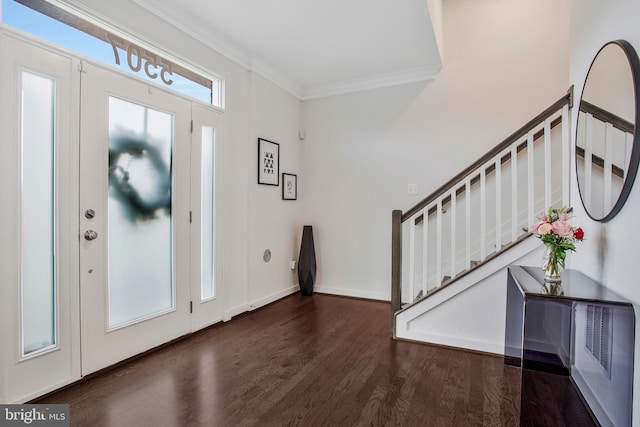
563, 216
562, 228
535, 226
545, 228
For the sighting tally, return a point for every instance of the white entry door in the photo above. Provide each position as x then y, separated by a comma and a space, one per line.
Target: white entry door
134, 216
110, 217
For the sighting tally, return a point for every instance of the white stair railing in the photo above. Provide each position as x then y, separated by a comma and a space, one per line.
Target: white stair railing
603, 159
484, 209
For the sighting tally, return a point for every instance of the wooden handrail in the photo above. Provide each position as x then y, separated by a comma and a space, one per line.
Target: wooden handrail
531, 124
607, 117
504, 159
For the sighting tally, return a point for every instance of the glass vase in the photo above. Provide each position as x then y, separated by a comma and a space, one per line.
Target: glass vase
552, 266
552, 288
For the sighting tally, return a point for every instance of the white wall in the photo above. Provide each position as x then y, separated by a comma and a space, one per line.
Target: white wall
273, 222
609, 253
505, 62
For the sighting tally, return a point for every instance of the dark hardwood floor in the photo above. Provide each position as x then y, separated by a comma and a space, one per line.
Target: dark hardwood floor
303, 361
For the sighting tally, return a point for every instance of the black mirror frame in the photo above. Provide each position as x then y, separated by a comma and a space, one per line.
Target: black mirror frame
634, 64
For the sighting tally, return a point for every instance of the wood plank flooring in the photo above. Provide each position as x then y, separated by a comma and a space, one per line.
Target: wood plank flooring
303, 361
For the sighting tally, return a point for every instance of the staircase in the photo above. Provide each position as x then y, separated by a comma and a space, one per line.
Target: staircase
469, 228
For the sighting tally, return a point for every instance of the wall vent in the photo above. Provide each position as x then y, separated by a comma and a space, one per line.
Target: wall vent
598, 334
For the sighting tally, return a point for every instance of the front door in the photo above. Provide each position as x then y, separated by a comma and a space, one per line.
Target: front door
134, 216
110, 217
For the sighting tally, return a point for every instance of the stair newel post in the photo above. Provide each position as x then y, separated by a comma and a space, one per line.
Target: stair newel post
396, 266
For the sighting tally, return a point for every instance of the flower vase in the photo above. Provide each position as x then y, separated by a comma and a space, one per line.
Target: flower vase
552, 266
553, 288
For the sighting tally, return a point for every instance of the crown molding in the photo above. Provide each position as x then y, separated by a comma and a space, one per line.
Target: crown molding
275, 76
228, 49
250, 62
372, 82
217, 43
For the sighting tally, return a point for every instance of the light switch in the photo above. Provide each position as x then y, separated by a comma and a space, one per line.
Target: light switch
413, 189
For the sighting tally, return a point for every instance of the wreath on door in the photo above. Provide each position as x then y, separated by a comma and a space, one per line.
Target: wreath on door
125, 153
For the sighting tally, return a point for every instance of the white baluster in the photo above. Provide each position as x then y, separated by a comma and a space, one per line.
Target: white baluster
483, 213
530, 177
498, 203
566, 156
608, 165
547, 163
439, 243
467, 196
412, 255
425, 245
453, 217
514, 192
588, 161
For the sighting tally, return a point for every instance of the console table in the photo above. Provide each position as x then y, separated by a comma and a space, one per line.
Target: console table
575, 345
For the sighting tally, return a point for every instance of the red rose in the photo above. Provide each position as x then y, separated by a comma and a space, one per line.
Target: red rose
578, 233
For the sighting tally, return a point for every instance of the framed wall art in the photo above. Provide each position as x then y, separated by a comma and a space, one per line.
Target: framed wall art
289, 186
268, 162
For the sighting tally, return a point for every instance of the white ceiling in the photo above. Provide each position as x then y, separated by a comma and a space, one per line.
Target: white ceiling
314, 48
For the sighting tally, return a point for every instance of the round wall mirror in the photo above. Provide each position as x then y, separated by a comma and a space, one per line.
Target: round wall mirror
607, 151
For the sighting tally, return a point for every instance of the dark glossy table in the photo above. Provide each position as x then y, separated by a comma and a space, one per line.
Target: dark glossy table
575, 344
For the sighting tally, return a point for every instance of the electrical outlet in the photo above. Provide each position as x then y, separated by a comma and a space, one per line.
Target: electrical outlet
412, 189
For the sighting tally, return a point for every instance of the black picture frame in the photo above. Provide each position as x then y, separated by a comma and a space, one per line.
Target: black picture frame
289, 186
268, 162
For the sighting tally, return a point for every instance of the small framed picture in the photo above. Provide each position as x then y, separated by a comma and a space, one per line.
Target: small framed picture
289, 186
268, 162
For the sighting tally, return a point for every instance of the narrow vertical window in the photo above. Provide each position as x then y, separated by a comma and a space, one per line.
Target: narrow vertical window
140, 224
208, 214
37, 232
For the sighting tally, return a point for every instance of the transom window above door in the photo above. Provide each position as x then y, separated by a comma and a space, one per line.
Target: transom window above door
62, 27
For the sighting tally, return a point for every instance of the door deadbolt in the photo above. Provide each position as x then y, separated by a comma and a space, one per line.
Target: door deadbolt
90, 235
90, 213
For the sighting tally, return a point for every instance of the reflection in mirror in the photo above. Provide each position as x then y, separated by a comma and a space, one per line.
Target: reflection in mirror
606, 153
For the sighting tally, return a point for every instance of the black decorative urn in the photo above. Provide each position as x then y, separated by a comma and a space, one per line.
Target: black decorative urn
307, 262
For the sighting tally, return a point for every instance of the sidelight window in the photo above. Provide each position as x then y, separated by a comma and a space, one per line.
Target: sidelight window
37, 214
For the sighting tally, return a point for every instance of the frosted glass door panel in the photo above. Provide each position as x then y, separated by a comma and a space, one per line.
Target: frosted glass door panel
37, 214
140, 226
207, 214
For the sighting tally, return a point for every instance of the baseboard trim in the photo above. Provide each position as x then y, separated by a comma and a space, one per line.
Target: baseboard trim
451, 347
376, 296
233, 312
272, 298
453, 342
351, 297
